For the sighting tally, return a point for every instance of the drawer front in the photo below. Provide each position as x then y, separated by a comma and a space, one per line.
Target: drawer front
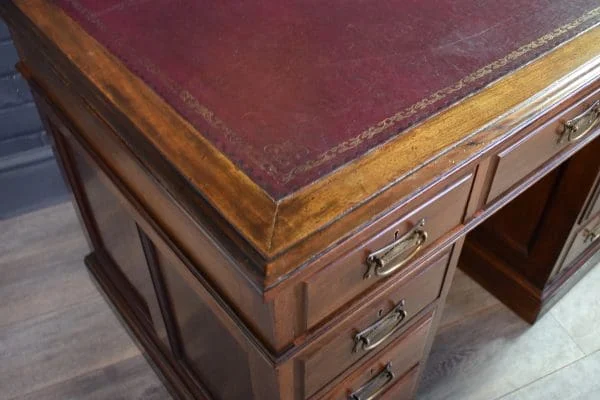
401, 388
562, 132
375, 326
405, 388
384, 372
356, 272
585, 238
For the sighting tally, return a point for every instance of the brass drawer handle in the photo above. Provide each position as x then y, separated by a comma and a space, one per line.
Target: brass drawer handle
381, 330
375, 386
578, 127
392, 257
591, 235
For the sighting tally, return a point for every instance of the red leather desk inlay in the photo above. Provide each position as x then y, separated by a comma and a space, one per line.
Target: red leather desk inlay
292, 89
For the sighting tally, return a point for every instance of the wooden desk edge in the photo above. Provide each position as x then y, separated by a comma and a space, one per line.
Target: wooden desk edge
289, 231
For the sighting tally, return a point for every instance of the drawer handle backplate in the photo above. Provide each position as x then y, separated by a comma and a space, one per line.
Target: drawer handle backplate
381, 330
375, 386
578, 127
391, 258
591, 235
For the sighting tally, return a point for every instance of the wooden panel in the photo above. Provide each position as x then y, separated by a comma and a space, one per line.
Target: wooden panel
345, 278
118, 234
531, 152
338, 349
403, 354
220, 355
218, 360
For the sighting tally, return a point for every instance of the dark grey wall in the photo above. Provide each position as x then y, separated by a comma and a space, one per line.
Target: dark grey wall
29, 176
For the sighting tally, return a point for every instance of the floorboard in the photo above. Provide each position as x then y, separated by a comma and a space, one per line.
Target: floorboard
58, 337
124, 380
483, 351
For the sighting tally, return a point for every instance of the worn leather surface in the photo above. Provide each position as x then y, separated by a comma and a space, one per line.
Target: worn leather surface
292, 89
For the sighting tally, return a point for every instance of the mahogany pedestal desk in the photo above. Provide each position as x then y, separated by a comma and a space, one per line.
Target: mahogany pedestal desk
276, 194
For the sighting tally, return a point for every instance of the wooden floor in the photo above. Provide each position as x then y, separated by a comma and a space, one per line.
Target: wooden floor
59, 339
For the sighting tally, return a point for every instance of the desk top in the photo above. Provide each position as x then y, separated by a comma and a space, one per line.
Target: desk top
300, 122
290, 90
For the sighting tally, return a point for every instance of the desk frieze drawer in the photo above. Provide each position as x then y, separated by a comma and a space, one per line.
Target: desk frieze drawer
563, 132
392, 252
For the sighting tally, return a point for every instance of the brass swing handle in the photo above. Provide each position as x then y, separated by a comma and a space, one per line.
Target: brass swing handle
375, 386
381, 330
578, 127
591, 235
392, 257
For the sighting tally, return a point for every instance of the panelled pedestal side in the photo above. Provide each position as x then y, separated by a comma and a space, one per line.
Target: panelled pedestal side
203, 339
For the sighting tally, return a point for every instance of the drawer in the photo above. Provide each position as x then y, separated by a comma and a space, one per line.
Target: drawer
402, 388
386, 371
405, 388
386, 254
584, 239
559, 134
375, 325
